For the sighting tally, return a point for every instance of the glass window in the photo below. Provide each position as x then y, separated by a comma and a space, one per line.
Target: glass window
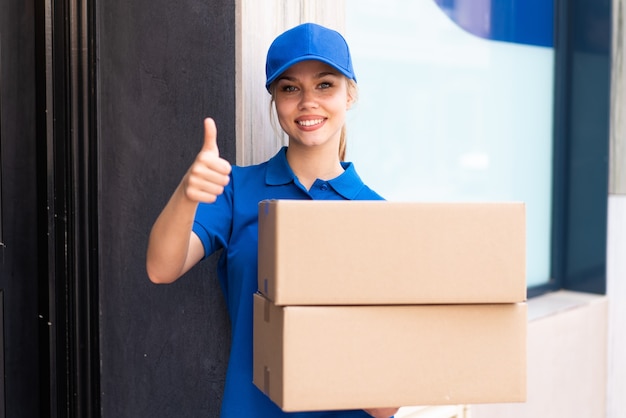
456, 104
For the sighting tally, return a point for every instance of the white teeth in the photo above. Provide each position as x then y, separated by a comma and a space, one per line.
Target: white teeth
310, 122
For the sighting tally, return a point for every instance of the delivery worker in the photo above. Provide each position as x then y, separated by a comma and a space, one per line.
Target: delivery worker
215, 206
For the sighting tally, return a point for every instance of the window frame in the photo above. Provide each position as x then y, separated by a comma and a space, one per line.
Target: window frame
580, 166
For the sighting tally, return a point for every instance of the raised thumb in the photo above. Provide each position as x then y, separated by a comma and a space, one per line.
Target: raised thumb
210, 136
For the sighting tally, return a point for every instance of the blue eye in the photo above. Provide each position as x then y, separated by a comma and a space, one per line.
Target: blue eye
288, 88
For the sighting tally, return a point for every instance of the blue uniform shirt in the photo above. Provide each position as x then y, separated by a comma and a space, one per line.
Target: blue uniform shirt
231, 224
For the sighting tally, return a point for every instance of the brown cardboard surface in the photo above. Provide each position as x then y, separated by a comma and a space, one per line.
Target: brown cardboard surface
350, 357
373, 252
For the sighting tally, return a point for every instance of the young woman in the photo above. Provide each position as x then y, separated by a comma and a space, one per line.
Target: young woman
312, 83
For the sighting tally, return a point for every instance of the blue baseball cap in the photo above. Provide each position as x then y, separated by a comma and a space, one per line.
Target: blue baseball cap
308, 41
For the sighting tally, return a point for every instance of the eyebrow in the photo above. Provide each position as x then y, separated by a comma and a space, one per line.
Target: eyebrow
317, 76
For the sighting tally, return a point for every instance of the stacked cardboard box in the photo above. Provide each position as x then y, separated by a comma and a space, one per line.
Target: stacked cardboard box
367, 304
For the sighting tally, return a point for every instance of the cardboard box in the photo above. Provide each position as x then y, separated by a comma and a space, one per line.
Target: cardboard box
350, 357
376, 252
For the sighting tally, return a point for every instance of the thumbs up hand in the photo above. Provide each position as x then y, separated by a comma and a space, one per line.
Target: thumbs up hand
209, 174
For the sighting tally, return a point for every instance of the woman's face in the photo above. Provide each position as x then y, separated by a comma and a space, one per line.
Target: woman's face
311, 102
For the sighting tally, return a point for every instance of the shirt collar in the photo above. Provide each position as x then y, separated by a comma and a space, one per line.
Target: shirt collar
348, 184
278, 170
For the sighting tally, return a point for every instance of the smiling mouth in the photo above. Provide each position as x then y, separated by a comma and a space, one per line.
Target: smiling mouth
310, 122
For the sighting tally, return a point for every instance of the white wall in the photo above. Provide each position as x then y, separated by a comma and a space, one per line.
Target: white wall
616, 290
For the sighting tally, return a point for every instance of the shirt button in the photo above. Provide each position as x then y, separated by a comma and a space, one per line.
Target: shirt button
324, 187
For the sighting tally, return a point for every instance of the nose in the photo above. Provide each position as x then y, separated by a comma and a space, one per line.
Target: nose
308, 99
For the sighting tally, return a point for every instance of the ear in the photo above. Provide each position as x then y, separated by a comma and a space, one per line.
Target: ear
350, 100
351, 96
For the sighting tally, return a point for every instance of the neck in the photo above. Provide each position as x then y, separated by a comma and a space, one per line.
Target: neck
312, 163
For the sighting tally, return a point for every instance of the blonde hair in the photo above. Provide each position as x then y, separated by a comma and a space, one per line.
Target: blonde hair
353, 93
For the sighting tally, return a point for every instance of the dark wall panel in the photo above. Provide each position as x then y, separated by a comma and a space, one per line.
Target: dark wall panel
163, 66
18, 251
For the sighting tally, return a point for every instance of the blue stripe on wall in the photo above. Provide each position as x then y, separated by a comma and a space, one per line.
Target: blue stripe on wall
528, 22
